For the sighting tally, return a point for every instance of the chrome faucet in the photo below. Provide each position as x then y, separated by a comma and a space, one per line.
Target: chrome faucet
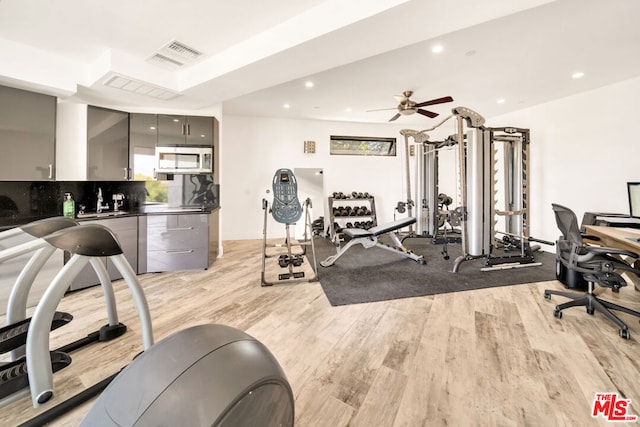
99, 205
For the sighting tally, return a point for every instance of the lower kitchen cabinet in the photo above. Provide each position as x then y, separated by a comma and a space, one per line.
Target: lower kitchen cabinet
126, 231
177, 242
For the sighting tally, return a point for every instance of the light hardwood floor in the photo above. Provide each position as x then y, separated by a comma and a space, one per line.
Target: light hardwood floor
494, 357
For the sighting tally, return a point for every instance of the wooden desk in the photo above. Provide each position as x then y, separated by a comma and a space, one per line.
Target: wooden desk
614, 237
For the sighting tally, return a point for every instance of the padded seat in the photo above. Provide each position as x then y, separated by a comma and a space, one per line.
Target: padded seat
369, 238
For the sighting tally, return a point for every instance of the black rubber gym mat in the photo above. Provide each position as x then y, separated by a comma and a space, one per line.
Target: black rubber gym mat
367, 275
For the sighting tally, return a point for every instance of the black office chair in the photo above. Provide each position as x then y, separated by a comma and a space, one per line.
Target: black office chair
596, 264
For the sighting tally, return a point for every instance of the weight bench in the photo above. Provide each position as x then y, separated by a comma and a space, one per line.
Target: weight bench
369, 238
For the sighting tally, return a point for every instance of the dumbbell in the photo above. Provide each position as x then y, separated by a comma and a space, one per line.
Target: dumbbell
349, 225
283, 261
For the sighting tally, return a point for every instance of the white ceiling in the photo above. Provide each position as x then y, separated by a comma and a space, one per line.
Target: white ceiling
257, 55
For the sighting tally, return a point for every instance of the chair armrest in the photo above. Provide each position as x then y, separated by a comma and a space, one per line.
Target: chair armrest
609, 251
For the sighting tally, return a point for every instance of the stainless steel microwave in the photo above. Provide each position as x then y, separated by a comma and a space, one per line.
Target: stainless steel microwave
185, 159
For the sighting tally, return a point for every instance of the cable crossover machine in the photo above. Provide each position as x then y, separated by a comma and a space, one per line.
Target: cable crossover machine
286, 209
493, 184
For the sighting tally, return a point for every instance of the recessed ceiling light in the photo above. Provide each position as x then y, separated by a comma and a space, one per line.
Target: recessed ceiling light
437, 48
348, 109
286, 106
152, 127
308, 84
500, 101
577, 75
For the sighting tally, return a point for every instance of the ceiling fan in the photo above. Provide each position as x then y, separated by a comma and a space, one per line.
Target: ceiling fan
407, 107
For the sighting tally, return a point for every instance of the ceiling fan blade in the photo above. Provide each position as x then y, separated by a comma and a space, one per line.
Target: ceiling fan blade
435, 101
427, 113
394, 117
382, 109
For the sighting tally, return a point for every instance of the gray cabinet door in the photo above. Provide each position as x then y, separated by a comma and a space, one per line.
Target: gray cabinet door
107, 144
199, 130
143, 134
27, 135
171, 130
179, 130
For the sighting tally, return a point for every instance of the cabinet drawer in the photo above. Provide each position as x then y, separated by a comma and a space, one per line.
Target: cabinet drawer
177, 238
172, 260
178, 221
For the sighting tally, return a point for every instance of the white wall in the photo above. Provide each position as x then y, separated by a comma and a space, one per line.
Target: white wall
253, 148
71, 142
584, 149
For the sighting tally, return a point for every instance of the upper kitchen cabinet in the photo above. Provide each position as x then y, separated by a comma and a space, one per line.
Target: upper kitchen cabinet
143, 135
180, 130
27, 135
107, 145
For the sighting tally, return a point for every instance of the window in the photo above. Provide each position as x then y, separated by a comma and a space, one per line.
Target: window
144, 160
362, 146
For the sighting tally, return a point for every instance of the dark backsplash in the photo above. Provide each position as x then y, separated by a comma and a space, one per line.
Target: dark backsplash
25, 201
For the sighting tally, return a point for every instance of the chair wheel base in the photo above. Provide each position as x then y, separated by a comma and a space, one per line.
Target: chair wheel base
557, 313
624, 334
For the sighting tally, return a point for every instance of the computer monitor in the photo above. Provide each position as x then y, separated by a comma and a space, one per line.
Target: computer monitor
633, 189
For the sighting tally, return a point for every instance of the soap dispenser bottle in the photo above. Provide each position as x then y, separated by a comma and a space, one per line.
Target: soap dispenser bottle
69, 206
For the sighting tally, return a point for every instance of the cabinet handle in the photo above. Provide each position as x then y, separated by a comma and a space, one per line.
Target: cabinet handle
50, 171
183, 129
188, 251
188, 129
126, 173
179, 228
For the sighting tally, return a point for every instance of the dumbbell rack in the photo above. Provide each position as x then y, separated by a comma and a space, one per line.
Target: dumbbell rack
355, 214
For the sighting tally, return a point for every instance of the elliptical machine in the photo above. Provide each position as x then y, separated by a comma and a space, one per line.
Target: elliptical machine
286, 209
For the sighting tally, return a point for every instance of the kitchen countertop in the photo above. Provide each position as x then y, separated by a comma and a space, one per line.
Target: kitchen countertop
150, 209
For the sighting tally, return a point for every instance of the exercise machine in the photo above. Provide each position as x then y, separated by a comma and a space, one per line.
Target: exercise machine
368, 238
206, 375
85, 243
488, 198
286, 209
13, 375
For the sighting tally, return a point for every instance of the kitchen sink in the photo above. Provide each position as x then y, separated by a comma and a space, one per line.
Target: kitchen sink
101, 214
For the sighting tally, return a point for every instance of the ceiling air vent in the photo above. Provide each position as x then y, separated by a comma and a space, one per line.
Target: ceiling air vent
118, 81
181, 50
